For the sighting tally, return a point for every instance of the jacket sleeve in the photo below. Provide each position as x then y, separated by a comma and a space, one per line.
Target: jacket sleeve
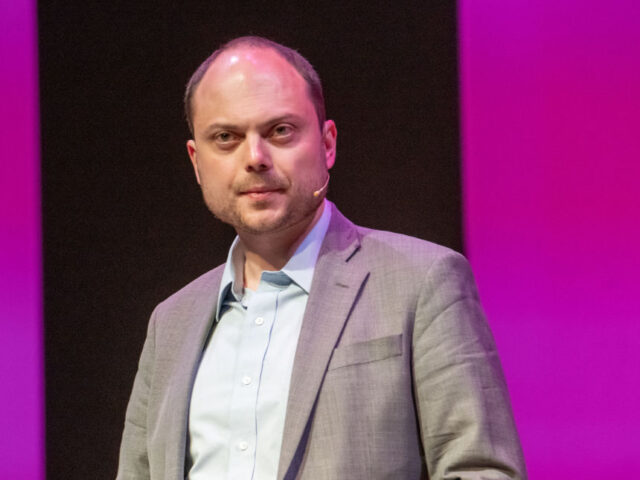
134, 461
466, 422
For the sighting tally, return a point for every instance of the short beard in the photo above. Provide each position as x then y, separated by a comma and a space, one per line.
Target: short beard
303, 206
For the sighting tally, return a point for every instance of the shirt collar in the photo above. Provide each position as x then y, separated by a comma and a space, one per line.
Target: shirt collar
299, 268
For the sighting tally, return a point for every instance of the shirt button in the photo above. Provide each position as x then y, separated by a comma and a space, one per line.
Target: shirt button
259, 321
243, 446
246, 380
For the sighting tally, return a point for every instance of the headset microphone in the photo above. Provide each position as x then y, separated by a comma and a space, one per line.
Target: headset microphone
326, 184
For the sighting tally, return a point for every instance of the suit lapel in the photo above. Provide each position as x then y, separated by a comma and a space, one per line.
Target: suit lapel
195, 324
334, 290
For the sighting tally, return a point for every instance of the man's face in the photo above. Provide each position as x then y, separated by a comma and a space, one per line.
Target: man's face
258, 152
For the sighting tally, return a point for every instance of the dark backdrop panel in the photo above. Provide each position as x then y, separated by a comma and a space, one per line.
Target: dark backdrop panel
124, 224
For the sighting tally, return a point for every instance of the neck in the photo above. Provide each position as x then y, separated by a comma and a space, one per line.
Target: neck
271, 251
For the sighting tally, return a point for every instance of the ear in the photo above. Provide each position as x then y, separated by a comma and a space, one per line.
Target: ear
191, 148
329, 139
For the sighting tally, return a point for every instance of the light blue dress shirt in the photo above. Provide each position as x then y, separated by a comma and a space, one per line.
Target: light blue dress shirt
239, 399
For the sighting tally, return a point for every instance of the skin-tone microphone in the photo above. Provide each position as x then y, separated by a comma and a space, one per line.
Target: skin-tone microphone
323, 188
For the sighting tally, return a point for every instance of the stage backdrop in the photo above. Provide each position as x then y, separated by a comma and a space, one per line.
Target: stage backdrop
551, 136
124, 222
549, 114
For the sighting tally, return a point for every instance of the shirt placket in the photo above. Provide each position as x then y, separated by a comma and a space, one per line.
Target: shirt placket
260, 311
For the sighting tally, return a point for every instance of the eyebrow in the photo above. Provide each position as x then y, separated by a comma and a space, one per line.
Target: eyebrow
272, 121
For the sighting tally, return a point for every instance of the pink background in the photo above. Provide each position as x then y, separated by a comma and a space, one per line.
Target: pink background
551, 174
551, 148
21, 382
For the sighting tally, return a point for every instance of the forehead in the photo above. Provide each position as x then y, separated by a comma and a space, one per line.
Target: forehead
250, 81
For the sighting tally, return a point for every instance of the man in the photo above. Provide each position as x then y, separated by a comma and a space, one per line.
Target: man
319, 350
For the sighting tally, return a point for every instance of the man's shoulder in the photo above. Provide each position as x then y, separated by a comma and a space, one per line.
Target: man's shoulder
384, 246
381, 247
402, 265
203, 288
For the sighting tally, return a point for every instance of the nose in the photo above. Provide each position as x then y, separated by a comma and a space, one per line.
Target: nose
258, 158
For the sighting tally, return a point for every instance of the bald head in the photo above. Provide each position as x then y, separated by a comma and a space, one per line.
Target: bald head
258, 45
249, 85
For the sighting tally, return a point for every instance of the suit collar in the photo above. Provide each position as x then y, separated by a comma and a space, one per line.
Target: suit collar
334, 290
196, 325
299, 268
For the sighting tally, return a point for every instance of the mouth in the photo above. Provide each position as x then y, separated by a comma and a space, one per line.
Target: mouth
260, 193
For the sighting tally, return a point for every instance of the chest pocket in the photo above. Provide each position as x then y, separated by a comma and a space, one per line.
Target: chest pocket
366, 352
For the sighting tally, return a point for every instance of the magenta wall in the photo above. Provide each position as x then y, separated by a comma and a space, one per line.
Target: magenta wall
21, 383
551, 150
551, 181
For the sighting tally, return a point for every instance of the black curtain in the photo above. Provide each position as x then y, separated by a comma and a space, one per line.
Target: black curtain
124, 223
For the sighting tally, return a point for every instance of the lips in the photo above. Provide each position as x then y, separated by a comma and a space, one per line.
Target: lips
260, 193
251, 187
259, 190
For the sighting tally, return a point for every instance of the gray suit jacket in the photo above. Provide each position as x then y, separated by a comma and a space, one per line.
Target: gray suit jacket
396, 375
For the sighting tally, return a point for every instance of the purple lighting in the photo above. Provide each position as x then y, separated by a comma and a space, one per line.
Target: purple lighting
551, 178
21, 383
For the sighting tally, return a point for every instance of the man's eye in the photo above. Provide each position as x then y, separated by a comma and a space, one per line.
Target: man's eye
282, 131
224, 137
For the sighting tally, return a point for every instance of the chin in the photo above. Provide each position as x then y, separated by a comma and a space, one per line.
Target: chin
268, 219
263, 222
